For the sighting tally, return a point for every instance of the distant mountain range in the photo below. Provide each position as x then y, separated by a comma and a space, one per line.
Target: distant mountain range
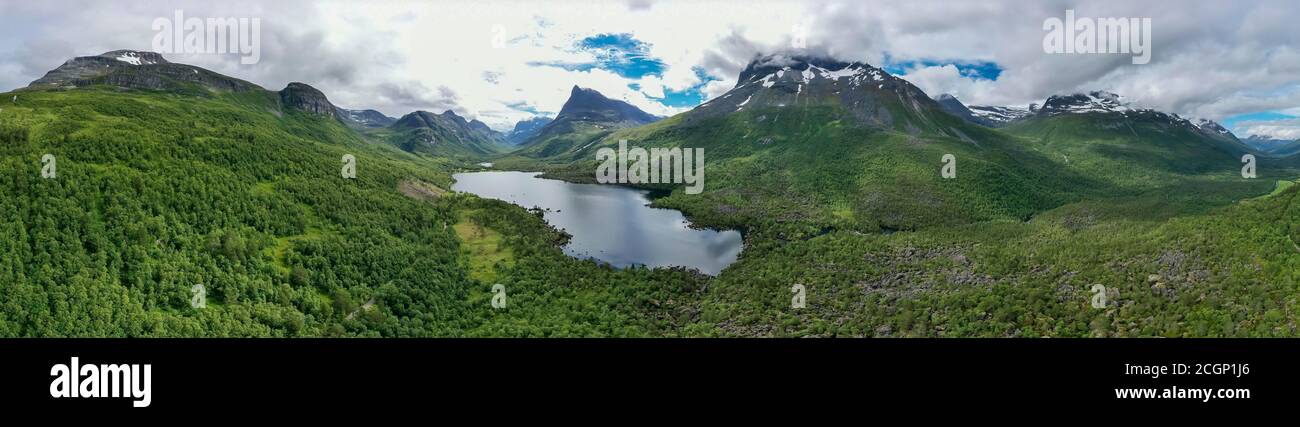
795, 120
1079, 103
768, 81
366, 118
1273, 146
167, 166
526, 129
447, 133
418, 131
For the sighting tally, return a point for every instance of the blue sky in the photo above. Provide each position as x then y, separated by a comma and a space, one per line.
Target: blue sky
625, 55
970, 69
628, 57
1271, 124
1265, 116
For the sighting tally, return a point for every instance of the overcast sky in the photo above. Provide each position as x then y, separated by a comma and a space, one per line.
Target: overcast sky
1232, 61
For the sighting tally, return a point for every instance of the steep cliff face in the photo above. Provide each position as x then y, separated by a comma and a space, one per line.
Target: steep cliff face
300, 96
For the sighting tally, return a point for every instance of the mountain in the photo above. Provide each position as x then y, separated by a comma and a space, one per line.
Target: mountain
241, 192
590, 106
871, 96
525, 129
1273, 146
1092, 102
498, 138
998, 116
137, 70
954, 106
365, 118
850, 135
243, 195
586, 116
802, 144
1136, 150
482, 128
986, 115
865, 95
1210, 127
1116, 113
302, 97
446, 134
1101, 102
821, 161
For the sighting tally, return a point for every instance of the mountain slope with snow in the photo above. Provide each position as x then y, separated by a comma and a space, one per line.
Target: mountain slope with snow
131, 69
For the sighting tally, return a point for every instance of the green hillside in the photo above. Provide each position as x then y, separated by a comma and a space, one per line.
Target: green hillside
440, 135
157, 192
1038, 214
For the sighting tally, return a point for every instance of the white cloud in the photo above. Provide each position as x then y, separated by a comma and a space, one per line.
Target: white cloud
1277, 129
1211, 58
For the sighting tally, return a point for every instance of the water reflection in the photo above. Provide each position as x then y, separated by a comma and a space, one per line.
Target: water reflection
611, 224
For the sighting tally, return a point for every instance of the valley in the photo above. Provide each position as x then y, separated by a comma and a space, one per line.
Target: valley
831, 171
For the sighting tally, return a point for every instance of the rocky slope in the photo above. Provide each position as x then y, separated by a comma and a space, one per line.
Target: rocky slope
302, 97
870, 95
131, 69
443, 134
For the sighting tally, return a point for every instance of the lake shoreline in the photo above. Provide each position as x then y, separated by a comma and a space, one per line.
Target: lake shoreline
638, 233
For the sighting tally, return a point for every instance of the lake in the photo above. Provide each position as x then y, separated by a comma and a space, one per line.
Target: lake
609, 223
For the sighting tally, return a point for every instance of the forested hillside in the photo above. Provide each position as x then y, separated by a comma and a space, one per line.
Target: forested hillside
154, 193
1038, 214
208, 212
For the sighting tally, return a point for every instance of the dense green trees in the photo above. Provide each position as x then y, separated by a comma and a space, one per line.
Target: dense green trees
156, 193
1038, 214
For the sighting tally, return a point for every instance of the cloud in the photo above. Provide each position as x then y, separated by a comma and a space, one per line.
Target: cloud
639, 5
1278, 129
1210, 58
400, 57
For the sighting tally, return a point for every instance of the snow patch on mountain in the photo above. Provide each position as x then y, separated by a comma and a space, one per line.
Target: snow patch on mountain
133, 58
999, 114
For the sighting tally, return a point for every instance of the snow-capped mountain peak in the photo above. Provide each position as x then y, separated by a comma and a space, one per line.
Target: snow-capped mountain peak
999, 114
782, 80
1211, 127
1092, 102
775, 69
